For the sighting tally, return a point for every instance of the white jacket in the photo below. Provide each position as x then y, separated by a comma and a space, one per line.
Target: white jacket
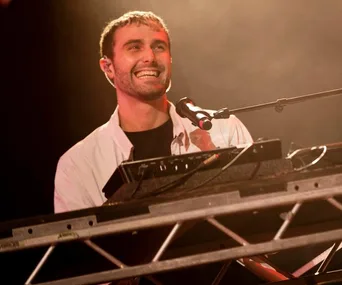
85, 168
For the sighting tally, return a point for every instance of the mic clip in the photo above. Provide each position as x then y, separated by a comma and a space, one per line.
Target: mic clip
221, 114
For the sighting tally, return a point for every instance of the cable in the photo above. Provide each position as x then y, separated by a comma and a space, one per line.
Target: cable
142, 176
324, 150
255, 171
109, 80
182, 179
229, 164
185, 177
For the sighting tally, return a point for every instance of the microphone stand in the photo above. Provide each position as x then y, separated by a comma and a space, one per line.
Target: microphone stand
279, 104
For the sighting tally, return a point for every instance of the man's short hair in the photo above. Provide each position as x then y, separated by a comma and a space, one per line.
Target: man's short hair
133, 17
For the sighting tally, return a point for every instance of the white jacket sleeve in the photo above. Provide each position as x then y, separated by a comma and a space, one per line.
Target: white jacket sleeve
70, 194
232, 131
240, 135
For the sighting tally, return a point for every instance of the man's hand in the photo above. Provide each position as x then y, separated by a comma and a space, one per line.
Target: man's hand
202, 140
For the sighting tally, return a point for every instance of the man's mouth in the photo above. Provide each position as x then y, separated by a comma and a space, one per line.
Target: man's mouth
147, 73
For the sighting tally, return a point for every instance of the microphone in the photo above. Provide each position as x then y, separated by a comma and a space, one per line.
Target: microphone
186, 108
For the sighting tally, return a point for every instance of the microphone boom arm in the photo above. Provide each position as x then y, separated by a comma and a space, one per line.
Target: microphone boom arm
278, 104
201, 118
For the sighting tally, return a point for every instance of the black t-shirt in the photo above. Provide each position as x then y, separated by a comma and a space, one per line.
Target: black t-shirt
147, 144
152, 143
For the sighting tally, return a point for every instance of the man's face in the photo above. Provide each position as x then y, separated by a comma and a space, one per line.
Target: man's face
142, 61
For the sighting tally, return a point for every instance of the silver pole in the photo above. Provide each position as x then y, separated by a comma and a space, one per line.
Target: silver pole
114, 260
221, 273
104, 253
40, 264
155, 221
242, 241
227, 231
335, 203
289, 217
166, 242
330, 256
203, 258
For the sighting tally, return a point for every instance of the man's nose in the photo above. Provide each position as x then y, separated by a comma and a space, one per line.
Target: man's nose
148, 55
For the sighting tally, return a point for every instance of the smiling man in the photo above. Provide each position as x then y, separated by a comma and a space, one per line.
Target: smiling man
141, 62
136, 59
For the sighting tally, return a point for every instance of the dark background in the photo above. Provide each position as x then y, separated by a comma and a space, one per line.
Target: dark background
225, 54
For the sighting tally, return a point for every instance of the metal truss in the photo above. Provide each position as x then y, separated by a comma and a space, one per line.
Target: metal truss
330, 278
210, 208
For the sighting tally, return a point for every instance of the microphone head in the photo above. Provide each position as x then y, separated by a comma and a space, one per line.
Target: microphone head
205, 125
181, 106
186, 108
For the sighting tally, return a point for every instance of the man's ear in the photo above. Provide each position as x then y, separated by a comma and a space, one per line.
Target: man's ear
107, 66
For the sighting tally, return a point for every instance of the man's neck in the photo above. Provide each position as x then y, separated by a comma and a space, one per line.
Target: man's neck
136, 115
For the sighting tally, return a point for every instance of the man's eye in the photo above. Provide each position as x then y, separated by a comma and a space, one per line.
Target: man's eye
160, 47
135, 47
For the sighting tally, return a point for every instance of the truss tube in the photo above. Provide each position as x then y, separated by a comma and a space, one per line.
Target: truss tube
155, 221
204, 258
105, 254
221, 273
227, 231
335, 203
328, 259
40, 264
289, 217
166, 242
332, 278
312, 263
253, 263
114, 260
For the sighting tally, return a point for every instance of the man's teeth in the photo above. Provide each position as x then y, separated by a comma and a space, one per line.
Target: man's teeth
147, 73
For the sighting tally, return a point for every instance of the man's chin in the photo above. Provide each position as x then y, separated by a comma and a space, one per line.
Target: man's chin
150, 96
